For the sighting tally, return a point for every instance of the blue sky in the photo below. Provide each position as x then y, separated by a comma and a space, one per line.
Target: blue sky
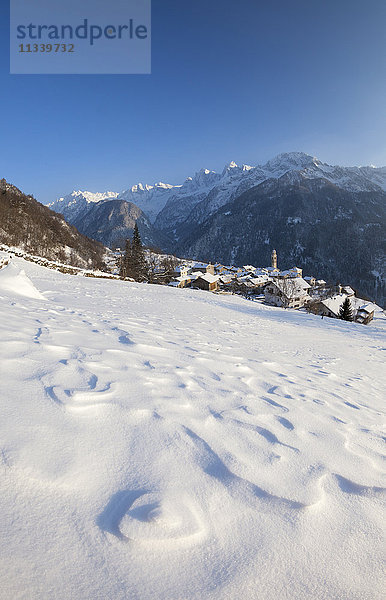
230, 80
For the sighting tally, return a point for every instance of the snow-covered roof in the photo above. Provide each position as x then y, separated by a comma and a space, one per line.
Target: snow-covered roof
294, 272
334, 303
368, 308
259, 280
200, 265
208, 277
225, 278
348, 290
231, 268
242, 274
359, 304
261, 272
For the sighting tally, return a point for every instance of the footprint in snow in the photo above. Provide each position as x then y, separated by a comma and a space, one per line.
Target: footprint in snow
146, 516
352, 405
286, 423
349, 487
215, 467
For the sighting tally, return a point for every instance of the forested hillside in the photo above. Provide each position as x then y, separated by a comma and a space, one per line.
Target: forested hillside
27, 224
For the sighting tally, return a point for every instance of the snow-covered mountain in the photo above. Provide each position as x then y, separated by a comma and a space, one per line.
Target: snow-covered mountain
173, 202
164, 203
72, 205
208, 191
236, 180
150, 198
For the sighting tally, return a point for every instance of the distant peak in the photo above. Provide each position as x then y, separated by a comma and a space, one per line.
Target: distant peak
229, 167
232, 165
164, 186
89, 196
292, 159
139, 187
202, 177
295, 155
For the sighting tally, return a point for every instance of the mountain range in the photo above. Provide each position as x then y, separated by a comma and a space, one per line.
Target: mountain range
329, 220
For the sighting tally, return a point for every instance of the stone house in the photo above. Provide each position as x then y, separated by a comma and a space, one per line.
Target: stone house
183, 282
365, 313
287, 292
206, 282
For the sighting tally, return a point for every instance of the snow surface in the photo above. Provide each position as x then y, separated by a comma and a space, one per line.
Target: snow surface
14, 279
159, 443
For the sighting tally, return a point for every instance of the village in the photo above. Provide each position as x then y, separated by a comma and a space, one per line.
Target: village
285, 289
269, 285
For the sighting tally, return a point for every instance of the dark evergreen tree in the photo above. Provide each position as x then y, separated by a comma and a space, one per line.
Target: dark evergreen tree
345, 311
138, 256
134, 262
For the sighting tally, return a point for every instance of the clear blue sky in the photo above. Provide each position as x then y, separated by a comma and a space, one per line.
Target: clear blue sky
230, 80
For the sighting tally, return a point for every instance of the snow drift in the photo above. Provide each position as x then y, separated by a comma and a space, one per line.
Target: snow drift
15, 280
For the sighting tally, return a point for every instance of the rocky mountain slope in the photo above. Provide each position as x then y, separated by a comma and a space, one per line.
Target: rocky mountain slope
331, 233
237, 180
27, 224
112, 222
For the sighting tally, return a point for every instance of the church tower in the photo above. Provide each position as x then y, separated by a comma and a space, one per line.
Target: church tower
274, 259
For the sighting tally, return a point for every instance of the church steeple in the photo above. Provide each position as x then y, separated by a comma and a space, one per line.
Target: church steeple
274, 259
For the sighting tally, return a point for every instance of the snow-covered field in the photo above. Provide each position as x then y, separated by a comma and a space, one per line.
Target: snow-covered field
158, 443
